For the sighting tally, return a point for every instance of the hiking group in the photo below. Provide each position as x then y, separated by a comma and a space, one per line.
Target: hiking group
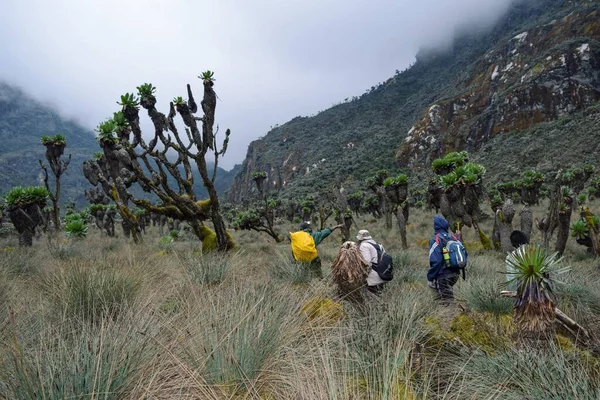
447, 256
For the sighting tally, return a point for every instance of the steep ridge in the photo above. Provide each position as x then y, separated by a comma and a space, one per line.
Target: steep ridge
445, 101
539, 75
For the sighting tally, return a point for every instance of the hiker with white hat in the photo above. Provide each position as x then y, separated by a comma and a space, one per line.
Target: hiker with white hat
381, 263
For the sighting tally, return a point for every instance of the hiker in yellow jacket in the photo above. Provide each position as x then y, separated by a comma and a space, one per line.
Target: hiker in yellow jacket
304, 246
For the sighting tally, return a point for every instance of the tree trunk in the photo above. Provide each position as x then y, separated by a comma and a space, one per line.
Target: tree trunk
26, 238
564, 220
526, 222
504, 219
402, 228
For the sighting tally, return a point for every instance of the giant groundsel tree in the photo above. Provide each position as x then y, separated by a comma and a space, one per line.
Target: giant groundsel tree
163, 165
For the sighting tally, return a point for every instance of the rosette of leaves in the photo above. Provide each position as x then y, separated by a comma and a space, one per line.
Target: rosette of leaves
57, 139
20, 197
355, 201
54, 144
76, 228
397, 188
531, 178
179, 101
129, 100
207, 76
165, 243
106, 132
98, 155
308, 207
93, 208
371, 182
146, 94
449, 162
496, 200
121, 125
534, 271
579, 230
247, 220
594, 188
259, 178
371, 204
24, 206
567, 195
272, 204
576, 178
508, 188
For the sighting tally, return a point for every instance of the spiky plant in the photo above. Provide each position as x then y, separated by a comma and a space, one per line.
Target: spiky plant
534, 271
129, 100
98, 155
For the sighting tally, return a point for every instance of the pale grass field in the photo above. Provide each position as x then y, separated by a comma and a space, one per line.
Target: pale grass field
104, 319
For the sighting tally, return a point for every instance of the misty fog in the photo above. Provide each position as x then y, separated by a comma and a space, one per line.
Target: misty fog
273, 60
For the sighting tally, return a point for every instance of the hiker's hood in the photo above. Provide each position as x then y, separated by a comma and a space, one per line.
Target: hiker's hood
440, 224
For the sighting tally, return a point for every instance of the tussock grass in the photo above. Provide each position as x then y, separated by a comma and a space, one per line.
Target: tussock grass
103, 318
80, 292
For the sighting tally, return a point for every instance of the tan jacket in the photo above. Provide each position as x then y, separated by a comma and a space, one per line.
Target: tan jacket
369, 254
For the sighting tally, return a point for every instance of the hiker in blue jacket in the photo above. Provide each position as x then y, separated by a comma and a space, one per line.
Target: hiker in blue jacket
440, 278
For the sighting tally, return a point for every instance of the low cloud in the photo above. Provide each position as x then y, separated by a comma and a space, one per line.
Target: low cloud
274, 60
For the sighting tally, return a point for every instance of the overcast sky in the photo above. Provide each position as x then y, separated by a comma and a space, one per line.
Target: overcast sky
273, 59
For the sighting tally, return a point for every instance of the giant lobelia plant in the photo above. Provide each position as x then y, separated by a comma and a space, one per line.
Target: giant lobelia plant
534, 270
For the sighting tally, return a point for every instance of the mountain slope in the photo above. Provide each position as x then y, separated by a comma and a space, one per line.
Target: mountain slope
350, 141
23, 121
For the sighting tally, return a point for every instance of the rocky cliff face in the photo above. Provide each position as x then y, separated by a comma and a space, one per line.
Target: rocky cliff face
541, 62
539, 75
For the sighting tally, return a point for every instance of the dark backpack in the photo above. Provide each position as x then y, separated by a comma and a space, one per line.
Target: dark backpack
457, 253
385, 265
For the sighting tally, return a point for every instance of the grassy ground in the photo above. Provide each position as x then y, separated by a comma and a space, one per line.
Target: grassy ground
100, 318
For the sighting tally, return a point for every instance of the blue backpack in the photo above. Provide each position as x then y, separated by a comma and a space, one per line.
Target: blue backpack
454, 253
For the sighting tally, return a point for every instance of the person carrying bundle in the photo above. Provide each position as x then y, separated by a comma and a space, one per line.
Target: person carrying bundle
381, 263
